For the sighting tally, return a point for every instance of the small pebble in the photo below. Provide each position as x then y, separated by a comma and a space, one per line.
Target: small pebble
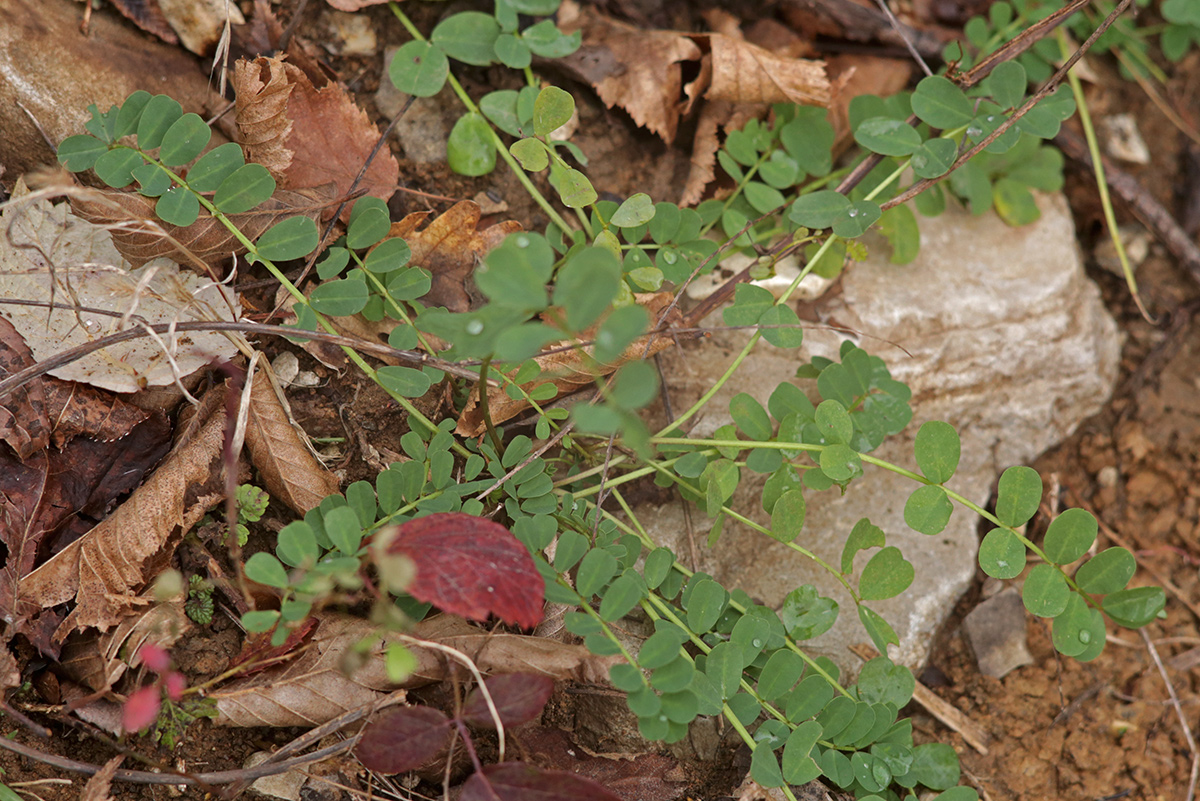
1107, 477
286, 367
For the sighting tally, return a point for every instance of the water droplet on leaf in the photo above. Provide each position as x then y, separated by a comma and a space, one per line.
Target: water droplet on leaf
669, 257
522, 241
474, 328
1085, 636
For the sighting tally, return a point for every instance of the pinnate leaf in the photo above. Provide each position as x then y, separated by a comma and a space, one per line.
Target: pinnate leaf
1018, 495
245, 188
184, 140
1069, 536
471, 567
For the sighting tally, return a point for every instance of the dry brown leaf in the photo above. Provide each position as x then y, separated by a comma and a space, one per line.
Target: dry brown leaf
746, 73
10, 674
140, 236
314, 688
449, 247
639, 70
105, 568
99, 787
569, 370
95, 660
290, 471
305, 135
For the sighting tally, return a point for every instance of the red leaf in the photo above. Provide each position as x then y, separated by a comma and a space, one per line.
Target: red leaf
519, 698
141, 709
154, 657
403, 739
516, 781
175, 684
472, 567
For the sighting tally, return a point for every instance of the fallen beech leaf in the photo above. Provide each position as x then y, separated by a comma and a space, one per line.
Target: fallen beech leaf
746, 73
516, 781
403, 739
104, 569
313, 687
140, 236
305, 135
471, 566
289, 469
568, 370
50, 254
519, 698
449, 247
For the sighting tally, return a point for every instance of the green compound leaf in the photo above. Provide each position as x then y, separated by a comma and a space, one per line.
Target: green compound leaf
596, 570
1078, 628
798, 766
1134, 608
934, 158
1007, 84
178, 207
160, 113
1069, 536
928, 510
888, 137
369, 223
266, 569
574, 188
935, 765
388, 256
636, 386
419, 69
882, 682
809, 140
937, 450
806, 615
864, 535
622, 596
184, 140
344, 529
764, 766
340, 298
1018, 495
780, 326
531, 153
780, 674
855, 221
750, 303
116, 166
245, 188
501, 108
836, 716
1045, 592
406, 382
879, 630
940, 103
674, 676
215, 166
750, 416
1045, 119
636, 210
1001, 554
587, 285
288, 239
705, 605
469, 36
1108, 571
153, 180
959, 793
79, 153
408, 284
787, 516
819, 209
470, 148
887, 575
809, 698
130, 114
552, 110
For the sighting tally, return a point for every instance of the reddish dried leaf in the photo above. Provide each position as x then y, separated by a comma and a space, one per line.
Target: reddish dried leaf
24, 420
450, 247
141, 709
516, 781
308, 136
470, 566
403, 738
257, 648
519, 698
140, 236
147, 15
289, 469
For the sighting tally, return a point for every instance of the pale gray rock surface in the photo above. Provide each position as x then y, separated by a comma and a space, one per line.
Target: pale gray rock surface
996, 631
1009, 342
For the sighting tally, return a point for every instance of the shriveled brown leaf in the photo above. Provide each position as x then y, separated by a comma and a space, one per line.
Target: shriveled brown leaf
24, 419
99, 787
10, 674
140, 236
715, 116
308, 136
449, 247
314, 688
290, 471
569, 370
97, 660
147, 15
106, 568
639, 70
746, 73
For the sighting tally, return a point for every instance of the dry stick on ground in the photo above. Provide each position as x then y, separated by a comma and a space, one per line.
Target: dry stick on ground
1187, 730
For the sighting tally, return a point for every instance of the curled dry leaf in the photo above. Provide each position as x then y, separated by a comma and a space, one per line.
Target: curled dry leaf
140, 236
289, 469
105, 569
450, 247
746, 73
95, 660
569, 370
308, 136
314, 688
99, 786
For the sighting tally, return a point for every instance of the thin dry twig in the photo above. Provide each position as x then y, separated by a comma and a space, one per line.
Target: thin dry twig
1187, 730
